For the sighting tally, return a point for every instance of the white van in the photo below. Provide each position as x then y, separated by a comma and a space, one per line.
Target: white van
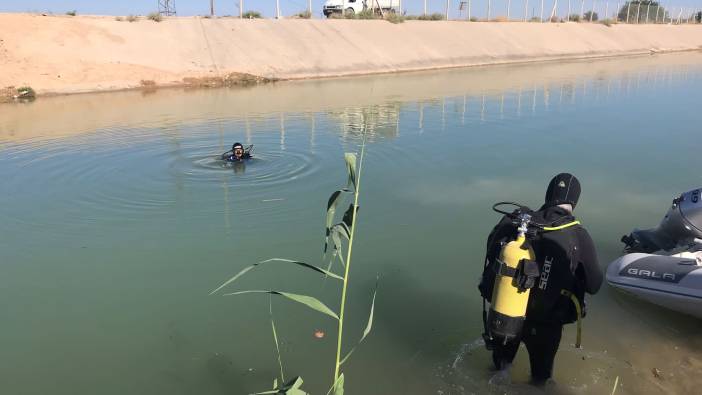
356, 6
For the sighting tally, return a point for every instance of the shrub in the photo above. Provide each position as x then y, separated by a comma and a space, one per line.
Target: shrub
587, 15
119, 19
71, 13
132, 18
155, 16
608, 22
303, 15
25, 92
365, 14
574, 17
535, 19
432, 17
394, 18
251, 15
474, 19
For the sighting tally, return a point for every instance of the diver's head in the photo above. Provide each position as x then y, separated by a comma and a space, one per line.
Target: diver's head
238, 150
563, 190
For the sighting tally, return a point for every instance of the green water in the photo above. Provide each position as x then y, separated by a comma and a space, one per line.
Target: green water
116, 221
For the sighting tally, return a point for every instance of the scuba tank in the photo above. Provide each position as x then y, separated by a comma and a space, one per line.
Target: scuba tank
515, 276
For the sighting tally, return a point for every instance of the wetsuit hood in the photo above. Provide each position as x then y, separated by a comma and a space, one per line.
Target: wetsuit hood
563, 188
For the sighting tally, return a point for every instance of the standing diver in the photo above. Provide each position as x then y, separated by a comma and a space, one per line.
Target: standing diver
238, 153
539, 265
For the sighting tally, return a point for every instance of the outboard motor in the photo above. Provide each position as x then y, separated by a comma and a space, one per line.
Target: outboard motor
681, 225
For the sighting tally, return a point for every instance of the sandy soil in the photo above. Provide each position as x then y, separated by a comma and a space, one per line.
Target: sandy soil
62, 54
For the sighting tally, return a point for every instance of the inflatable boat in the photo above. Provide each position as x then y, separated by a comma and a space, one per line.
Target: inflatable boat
664, 264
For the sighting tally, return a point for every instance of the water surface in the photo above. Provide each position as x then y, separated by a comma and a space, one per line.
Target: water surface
117, 221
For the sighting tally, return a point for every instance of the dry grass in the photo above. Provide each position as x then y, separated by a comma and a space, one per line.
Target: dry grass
252, 15
23, 93
155, 16
232, 79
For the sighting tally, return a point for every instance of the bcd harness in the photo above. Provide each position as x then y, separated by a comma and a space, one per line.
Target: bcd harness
517, 273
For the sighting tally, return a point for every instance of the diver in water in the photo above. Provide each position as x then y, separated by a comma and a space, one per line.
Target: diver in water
238, 153
567, 269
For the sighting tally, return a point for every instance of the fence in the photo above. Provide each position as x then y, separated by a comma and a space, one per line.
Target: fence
632, 12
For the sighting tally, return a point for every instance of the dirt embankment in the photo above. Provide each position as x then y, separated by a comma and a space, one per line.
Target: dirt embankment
62, 54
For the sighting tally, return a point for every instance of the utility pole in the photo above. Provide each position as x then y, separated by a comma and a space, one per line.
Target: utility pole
592, 10
488, 14
568, 11
309, 7
638, 12
509, 5
447, 8
277, 9
607, 10
542, 11
425, 7
211, 7
553, 11
468, 9
526, 10
582, 9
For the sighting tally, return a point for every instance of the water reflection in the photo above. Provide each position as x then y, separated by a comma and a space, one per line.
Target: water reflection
121, 198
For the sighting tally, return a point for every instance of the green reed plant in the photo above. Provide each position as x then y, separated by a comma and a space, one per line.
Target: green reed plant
335, 235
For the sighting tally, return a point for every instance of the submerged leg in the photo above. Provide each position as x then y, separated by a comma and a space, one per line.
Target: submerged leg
542, 341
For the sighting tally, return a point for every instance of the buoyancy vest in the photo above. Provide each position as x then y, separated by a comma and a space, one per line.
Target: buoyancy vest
556, 252
556, 255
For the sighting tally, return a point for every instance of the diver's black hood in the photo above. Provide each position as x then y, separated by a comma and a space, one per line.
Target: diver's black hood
563, 188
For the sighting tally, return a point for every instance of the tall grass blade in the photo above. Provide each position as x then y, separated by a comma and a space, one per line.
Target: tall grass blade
275, 339
292, 387
332, 204
616, 382
351, 162
351, 167
369, 325
309, 301
231, 280
339, 386
307, 265
299, 263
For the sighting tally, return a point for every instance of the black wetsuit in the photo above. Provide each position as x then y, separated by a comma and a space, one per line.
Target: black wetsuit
229, 157
567, 261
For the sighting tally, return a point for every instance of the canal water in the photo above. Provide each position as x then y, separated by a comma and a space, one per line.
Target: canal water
116, 221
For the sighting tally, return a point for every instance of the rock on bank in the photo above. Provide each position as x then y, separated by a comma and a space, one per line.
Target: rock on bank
62, 54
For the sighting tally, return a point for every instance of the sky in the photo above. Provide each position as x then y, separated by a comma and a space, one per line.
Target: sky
290, 7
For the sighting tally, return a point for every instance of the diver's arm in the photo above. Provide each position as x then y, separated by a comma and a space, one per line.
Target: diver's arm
589, 262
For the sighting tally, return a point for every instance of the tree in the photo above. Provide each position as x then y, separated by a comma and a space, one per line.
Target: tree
586, 16
640, 8
698, 17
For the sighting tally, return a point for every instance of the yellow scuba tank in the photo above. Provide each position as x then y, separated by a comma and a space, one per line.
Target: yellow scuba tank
516, 275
